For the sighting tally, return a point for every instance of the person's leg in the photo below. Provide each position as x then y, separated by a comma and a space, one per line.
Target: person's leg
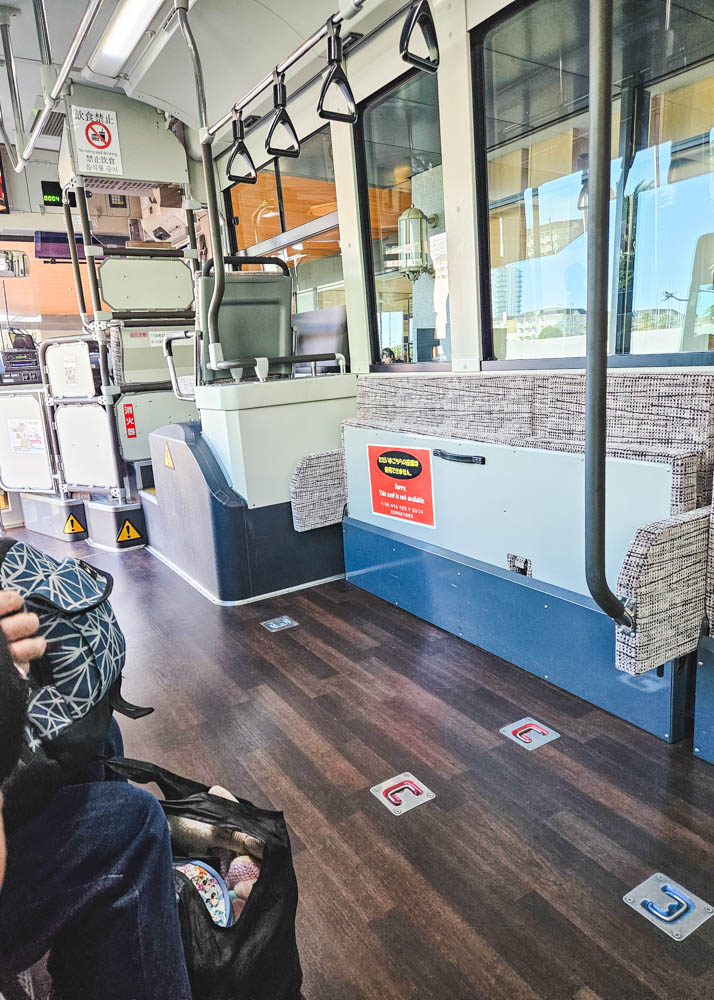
91, 882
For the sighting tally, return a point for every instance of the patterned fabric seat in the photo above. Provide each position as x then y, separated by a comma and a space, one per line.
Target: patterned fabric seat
657, 417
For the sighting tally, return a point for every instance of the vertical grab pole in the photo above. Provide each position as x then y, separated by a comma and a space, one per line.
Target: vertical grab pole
74, 256
209, 176
108, 389
597, 311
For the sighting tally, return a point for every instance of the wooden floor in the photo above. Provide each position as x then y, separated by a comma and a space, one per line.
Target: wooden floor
509, 885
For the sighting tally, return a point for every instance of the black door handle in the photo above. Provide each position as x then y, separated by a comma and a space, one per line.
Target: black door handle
449, 456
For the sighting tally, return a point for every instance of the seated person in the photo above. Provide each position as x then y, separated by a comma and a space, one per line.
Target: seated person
90, 880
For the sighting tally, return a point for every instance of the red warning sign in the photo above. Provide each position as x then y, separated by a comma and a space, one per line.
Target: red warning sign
401, 483
98, 135
129, 422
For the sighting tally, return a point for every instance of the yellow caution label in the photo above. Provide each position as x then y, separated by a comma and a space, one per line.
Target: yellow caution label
4, 500
168, 461
73, 526
128, 532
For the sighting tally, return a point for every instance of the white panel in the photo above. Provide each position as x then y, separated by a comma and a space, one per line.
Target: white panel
140, 413
523, 501
259, 433
146, 284
85, 445
69, 370
24, 453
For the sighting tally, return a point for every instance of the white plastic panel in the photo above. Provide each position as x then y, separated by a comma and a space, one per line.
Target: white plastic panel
24, 454
140, 413
143, 361
522, 501
85, 446
146, 283
69, 370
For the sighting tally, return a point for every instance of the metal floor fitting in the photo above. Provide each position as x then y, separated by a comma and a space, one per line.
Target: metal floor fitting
402, 793
669, 906
279, 624
529, 733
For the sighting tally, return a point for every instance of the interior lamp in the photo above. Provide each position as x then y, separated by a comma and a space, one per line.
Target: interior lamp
412, 252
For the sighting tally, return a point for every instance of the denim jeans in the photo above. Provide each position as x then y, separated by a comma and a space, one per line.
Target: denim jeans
90, 881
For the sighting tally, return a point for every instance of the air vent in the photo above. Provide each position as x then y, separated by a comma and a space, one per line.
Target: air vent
117, 185
53, 125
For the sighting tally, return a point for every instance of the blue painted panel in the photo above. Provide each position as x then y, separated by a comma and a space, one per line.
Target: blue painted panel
552, 633
704, 708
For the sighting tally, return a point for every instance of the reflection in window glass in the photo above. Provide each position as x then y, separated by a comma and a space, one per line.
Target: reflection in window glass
308, 182
406, 212
662, 199
316, 268
256, 208
670, 199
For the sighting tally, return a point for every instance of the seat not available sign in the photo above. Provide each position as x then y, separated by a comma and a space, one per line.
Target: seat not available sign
96, 139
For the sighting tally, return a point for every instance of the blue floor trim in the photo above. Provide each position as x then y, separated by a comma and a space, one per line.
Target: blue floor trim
552, 633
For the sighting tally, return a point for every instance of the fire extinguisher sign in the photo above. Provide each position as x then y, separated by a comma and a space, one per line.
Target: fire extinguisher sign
401, 483
129, 422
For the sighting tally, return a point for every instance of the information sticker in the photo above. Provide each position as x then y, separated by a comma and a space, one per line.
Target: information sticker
96, 137
26, 436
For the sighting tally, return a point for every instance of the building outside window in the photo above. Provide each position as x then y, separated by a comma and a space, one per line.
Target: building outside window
535, 138
404, 202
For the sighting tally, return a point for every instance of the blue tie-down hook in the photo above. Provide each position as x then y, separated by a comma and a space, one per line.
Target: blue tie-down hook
678, 908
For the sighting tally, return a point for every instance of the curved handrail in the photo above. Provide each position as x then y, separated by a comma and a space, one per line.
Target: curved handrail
239, 261
597, 313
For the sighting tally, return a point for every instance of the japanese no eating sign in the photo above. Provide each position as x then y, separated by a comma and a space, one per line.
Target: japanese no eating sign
96, 138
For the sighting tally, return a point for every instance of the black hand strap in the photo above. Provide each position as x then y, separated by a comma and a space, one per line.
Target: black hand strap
420, 16
336, 77
240, 153
281, 119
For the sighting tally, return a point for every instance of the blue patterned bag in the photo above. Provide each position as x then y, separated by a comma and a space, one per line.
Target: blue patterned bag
85, 646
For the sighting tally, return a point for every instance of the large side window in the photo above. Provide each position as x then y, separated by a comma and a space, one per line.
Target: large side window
404, 203
531, 68
291, 213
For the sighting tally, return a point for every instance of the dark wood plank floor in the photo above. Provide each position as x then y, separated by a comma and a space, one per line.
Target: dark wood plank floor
508, 886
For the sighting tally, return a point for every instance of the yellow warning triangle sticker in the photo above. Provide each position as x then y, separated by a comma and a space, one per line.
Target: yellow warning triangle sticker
73, 527
168, 461
128, 532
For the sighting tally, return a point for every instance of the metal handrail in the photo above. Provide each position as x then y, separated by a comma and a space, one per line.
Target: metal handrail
597, 313
52, 100
238, 261
158, 252
169, 341
283, 67
262, 365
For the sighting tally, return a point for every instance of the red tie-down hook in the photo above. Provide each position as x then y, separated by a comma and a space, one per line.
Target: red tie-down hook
392, 793
520, 732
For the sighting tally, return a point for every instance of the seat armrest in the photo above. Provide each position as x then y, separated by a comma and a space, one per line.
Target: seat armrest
318, 490
665, 572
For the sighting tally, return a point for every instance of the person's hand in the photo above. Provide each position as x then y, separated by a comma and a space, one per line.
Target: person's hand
20, 629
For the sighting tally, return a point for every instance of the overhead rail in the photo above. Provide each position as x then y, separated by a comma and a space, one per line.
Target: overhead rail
597, 314
52, 99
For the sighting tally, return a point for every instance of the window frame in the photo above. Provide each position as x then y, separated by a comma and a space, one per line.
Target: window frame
634, 134
366, 237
